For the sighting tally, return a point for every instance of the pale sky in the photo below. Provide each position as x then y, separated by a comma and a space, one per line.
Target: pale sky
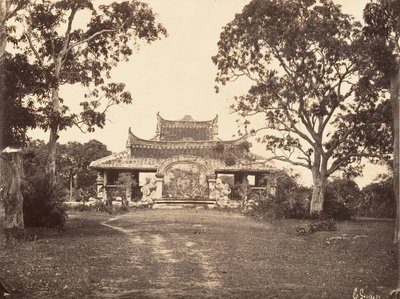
175, 76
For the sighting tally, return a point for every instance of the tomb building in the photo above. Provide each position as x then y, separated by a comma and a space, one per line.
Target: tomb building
184, 162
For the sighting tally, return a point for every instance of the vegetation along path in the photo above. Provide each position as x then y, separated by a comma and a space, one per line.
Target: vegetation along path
202, 254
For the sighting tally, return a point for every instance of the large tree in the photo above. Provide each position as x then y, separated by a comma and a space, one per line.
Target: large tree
302, 59
82, 52
14, 118
382, 30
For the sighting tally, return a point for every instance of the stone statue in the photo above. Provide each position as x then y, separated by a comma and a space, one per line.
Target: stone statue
149, 190
221, 193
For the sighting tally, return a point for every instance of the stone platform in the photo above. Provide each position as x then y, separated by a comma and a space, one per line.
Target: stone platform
176, 203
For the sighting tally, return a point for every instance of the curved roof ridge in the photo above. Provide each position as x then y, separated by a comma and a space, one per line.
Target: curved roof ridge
109, 158
185, 119
133, 139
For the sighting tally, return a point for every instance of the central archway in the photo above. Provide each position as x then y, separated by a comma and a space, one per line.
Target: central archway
185, 177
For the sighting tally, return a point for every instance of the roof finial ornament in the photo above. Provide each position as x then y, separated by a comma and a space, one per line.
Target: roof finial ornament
187, 117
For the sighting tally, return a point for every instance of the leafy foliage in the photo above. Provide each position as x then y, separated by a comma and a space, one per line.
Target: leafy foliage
382, 30
378, 200
23, 82
73, 161
42, 202
102, 207
303, 59
322, 225
336, 210
341, 194
43, 205
67, 54
291, 200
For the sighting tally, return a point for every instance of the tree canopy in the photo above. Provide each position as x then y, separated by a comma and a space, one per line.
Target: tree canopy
75, 42
303, 59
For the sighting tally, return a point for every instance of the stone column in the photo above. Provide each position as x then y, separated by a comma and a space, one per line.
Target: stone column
105, 195
211, 186
159, 185
128, 190
273, 184
245, 186
99, 184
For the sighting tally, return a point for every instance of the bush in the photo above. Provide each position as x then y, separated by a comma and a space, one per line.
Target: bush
322, 224
43, 205
267, 206
337, 210
378, 200
327, 225
101, 207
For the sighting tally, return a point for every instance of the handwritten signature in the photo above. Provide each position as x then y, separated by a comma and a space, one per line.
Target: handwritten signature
360, 293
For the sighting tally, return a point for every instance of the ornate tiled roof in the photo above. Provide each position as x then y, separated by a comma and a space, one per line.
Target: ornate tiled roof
142, 154
186, 129
124, 160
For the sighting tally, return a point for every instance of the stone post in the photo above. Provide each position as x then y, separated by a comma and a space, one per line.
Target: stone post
105, 186
159, 185
99, 184
273, 184
211, 186
128, 191
245, 186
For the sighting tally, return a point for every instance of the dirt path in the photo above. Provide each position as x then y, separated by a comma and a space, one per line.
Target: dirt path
173, 252
162, 254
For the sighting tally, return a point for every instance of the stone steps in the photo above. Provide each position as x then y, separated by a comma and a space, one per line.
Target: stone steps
173, 203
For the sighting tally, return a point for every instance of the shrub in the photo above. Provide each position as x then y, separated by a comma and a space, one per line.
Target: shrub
327, 225
291, 200
43, 205
101, 207
336, 210
378, 200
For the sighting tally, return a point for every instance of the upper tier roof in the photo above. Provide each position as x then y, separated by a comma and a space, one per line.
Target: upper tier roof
186, 129
185, 137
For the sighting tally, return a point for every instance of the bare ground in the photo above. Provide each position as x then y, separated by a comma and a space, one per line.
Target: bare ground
200, 254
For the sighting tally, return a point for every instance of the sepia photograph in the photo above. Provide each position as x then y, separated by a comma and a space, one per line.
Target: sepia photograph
199, 149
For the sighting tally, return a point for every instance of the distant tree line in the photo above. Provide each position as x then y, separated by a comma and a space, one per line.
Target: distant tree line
75, 180
343, 199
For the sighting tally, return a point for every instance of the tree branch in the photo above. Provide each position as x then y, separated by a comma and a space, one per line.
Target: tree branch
68, 31
31, 46
86, 40
20, 4
285, 159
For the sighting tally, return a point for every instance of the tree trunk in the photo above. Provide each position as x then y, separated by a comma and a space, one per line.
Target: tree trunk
50, 168
4, 6
71, 179
13, 200
395, 99
395, 104
317, 199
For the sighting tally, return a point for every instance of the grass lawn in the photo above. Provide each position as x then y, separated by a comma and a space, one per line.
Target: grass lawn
200, 254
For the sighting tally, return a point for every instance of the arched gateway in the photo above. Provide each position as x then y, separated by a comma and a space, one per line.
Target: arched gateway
184, 161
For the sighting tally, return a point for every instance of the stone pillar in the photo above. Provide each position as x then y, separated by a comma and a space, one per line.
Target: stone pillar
245, 186
99, 184
105, 195
159, 185
211, 186
273, 184
128, 190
